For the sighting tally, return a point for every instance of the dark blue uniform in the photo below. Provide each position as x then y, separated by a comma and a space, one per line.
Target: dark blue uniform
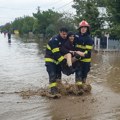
83, 43
9, 37
53, 58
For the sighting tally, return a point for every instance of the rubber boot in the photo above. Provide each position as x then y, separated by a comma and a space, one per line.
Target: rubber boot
79, 86
54, 90
54, 93
86, 87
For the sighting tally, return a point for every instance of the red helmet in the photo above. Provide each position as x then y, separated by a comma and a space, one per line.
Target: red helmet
83, 24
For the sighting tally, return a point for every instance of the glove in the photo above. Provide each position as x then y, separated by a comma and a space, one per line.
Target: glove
77, 56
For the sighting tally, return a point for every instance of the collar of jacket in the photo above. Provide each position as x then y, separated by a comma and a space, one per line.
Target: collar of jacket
85, 34
61, 39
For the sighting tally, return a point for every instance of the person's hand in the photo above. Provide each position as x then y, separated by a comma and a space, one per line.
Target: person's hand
77, 56
82, 54
72, 52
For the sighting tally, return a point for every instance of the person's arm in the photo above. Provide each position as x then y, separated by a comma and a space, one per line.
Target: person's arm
64, 50
54, 46
88, 46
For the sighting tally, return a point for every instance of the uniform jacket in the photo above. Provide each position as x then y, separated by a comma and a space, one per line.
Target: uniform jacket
53, 53
84, 43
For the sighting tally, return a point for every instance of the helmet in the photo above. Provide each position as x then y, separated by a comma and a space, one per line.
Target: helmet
83, 24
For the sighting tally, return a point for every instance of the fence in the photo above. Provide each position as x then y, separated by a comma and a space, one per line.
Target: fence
106, 44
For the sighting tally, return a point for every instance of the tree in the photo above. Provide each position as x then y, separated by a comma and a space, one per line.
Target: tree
87, 9
101, 3
49, 22
6, 27
50, 30
113, 11
28, 23
23, 24
46, 18
17, 24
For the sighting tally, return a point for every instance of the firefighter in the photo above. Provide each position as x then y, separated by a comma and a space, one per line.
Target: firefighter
9, 36
83, 45
54, 59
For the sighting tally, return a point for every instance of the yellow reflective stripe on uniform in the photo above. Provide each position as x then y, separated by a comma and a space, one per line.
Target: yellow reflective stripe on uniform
50, 60
86, 52
84, 47
89, 47
55, 50
48, 47
81, 46
60, 58
79, 83
53, 84
86, 60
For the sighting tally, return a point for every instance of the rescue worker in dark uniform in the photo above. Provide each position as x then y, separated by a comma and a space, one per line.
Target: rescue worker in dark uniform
83, 45
54, 59
9, 37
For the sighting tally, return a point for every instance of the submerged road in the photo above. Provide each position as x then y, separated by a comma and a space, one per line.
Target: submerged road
22, 68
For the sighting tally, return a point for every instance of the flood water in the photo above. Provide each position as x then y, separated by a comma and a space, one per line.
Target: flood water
22, 68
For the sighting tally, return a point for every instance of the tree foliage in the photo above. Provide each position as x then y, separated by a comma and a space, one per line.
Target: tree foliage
48, 22
7, 27
113, 10
87, 9
45, 19
24, 25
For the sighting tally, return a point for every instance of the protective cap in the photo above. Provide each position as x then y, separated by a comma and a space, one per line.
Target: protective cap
83, 23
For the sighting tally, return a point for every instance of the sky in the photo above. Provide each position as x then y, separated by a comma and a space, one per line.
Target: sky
11, 9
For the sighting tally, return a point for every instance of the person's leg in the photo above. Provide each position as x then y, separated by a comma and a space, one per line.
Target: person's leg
69, 69
69, 59
51, 69
78, 78
58, 72
78, 72
85, 70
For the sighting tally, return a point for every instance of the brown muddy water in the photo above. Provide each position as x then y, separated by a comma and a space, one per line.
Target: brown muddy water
22, 68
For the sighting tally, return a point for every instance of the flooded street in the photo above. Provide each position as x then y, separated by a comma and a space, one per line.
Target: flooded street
22, 68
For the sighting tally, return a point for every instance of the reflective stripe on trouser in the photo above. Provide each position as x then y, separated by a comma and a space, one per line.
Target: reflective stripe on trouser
79, 83
86, 60
52, 85
54, 72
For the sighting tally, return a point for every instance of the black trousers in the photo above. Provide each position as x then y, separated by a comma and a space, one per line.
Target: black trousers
54, 71
82, 70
